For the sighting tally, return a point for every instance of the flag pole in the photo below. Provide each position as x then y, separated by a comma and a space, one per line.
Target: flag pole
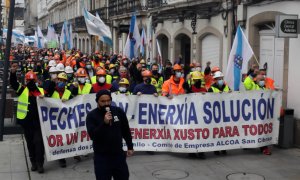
255, 59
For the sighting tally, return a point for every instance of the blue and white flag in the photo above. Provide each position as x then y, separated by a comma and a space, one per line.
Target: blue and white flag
70, 36
240, 54
64, 35
143, 42
39, 38
106, 35
95, 26
134, 37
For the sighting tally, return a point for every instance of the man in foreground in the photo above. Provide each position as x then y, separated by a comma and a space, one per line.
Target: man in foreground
107, 126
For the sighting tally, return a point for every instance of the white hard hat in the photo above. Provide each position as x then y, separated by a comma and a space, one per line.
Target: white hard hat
60, 67
52, 63
52, 70
68, 69
218, 74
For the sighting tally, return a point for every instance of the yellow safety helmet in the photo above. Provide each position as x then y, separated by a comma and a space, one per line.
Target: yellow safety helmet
142, 61
197, 75
111, 66
124, 81
62, 76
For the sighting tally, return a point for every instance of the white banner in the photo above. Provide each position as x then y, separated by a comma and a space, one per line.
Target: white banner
187, 123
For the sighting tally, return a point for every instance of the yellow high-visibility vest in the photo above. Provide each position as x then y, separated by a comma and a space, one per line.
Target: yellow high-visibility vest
216, 90
85, 90
66, 94
22, 107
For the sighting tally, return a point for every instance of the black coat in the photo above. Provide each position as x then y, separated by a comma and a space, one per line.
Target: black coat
107, 139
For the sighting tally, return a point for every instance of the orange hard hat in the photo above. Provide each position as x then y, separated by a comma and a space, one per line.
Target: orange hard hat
30, 76
101, 72
192, 65
146, 73
81, 72
215, 69
177, 67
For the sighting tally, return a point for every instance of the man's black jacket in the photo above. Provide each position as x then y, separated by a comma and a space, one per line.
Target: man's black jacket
107, 139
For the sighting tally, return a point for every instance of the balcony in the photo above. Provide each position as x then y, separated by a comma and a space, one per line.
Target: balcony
124, 7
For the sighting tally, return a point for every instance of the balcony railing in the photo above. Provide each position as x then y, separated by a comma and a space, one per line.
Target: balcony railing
124, 6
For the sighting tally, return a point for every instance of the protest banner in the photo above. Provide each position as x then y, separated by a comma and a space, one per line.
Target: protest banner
187, 123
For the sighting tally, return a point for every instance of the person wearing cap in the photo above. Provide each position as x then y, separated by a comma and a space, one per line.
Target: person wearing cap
100, 83
109, 157
28, 117
174, 86
219, 86
123, 87
145, 87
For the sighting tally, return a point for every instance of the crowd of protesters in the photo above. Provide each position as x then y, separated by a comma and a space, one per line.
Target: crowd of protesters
65, 74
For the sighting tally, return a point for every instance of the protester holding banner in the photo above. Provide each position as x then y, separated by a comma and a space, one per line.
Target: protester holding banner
219, 83
197, 83
249, 82
157, 79
218, 87
61, 91
101, 84
269, 82
82, 86
27, 116
107, 125
123, 87
174, 86
145, 87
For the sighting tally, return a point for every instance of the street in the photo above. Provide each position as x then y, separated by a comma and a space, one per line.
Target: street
283, 164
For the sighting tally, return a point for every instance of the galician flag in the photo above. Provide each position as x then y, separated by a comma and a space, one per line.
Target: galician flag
240, 54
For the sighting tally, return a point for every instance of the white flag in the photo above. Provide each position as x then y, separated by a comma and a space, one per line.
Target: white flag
240, 54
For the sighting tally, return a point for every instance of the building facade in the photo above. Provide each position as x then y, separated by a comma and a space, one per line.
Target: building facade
30, 16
